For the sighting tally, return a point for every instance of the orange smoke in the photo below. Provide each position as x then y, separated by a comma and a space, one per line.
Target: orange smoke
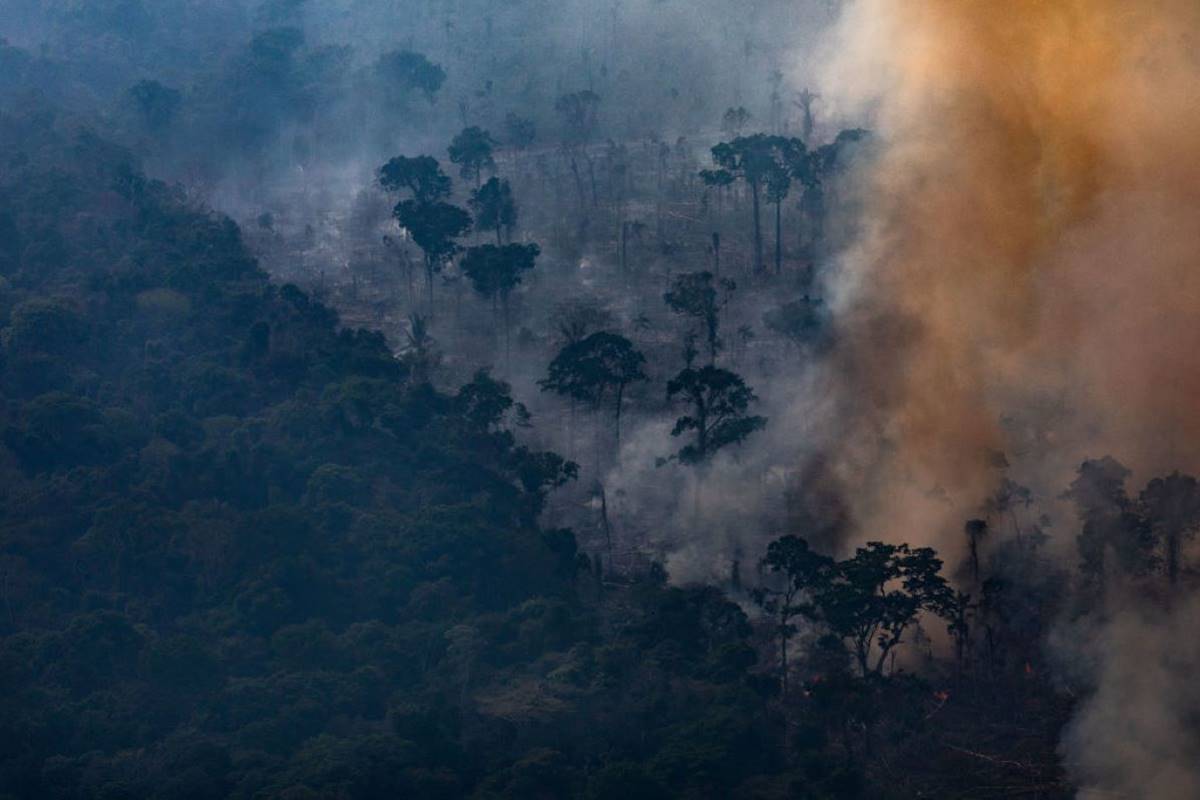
1029, 281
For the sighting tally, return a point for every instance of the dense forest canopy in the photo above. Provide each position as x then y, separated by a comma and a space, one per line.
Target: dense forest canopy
635, 399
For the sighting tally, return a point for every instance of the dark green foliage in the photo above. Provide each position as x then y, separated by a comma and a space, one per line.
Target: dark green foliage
753, 159
868, 600
433, 226
1112, 525
701, 297
591, 368
495, 270
239, 547
404, 71
494, 207
472, 151
419, 175
718, 401
520, 132
1172, 505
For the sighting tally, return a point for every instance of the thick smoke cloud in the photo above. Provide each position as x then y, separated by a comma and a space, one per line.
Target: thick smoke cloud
1027, 286
1031, 247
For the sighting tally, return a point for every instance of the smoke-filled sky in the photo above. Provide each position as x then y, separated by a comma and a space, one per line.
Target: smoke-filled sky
1028, 282
1029, 285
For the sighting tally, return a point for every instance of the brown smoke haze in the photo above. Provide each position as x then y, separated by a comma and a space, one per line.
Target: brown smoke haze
1029, 282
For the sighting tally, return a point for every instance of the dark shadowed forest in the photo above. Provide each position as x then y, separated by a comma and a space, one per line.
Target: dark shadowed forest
614, 399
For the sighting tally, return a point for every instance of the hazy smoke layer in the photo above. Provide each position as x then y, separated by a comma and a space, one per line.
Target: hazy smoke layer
1029, 286
1137, 735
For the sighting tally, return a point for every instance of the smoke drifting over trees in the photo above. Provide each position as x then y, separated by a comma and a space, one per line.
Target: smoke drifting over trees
456, 398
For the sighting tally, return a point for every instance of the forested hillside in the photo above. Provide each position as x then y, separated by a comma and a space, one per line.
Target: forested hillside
599, 400
246, 555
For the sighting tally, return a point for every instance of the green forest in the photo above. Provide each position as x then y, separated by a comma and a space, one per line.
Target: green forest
446, 400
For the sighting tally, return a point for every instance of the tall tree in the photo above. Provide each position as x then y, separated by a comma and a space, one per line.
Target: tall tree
699, 296
806, 575
1172, 506
403, 71
718, 401
472, 150
434, 226
752, 159
519, 133
976, 530
422, 176
495, 270
494, 207
734, 120
786, 153
579, 114
595, 367
869, 600
1114, 533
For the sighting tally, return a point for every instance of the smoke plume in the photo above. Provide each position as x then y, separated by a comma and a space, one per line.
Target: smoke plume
1027, 285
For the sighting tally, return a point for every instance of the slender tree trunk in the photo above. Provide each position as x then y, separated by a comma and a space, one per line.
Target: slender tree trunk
620, 394
783, 659
779, 238
507, 344
592, 177
758, 247
429, 282
578, 183
1173, 539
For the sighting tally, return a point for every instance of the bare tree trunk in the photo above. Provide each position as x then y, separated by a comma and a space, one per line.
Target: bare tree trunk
758, 247
620, 394
779, 238
1172, 543
429, 282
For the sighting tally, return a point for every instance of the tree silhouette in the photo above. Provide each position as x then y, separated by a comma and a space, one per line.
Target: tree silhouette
868, 600
1112, 524
594, 367
405, 71
718, 401
434, 226
578, 112
806, 575
495, 270
734, 120
754, 160
976, 530
786, 153
420, 175
472, 151
432, 223
695, 295
494, 207
1172, 505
